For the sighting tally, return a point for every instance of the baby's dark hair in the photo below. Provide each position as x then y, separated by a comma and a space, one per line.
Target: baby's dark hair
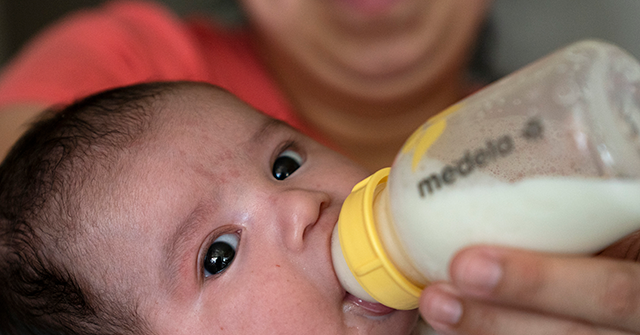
42, 184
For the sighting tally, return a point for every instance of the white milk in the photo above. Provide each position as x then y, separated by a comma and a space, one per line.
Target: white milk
420, 235
564, 215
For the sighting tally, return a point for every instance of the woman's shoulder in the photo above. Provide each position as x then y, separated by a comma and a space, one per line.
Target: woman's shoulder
115, 44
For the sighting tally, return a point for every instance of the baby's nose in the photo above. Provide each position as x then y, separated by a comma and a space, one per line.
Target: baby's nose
298, 212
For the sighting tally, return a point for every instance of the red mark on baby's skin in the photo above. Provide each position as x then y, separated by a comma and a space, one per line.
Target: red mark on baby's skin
277, 265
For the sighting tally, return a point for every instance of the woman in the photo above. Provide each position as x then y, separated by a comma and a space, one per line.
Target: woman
360, 76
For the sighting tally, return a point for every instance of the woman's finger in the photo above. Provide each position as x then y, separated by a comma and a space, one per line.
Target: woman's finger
627, 248
471, 317
600, 291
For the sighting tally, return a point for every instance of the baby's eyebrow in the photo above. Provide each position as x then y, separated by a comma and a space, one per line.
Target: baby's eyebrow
268, 126
176, 245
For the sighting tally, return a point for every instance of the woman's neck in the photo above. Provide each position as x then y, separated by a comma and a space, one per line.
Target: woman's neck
372, 132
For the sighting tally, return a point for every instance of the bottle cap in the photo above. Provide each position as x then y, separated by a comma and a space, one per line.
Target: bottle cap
363, 250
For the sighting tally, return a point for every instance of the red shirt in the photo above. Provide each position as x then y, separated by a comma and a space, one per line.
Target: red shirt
127, 42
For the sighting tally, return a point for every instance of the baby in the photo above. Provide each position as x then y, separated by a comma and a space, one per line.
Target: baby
174, 208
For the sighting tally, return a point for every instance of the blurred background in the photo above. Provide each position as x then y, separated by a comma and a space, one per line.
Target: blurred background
519, 32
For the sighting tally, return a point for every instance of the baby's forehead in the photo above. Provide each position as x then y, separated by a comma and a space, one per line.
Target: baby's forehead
196, 103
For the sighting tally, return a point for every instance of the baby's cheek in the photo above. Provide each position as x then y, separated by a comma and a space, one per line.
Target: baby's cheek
281, 302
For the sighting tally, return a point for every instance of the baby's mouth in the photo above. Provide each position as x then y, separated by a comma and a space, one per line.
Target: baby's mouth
372, 308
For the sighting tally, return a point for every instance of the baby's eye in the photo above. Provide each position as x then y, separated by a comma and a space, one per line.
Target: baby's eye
286, 164
220, 254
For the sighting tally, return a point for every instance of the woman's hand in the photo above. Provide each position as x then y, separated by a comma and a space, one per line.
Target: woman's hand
505, 291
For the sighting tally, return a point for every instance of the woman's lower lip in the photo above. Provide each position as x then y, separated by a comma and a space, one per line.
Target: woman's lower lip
370, 6
372, 307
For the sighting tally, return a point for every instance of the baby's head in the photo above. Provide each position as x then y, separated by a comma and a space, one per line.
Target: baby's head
174, 208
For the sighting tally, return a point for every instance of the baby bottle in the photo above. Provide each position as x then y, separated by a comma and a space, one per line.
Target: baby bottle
546, 159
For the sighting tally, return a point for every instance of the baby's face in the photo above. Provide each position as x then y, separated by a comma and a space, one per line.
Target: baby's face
216, 242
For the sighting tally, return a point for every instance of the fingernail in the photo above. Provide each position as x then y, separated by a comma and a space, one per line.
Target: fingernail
478, 272
443, 308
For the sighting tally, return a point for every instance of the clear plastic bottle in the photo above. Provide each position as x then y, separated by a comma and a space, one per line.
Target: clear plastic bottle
546, 159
